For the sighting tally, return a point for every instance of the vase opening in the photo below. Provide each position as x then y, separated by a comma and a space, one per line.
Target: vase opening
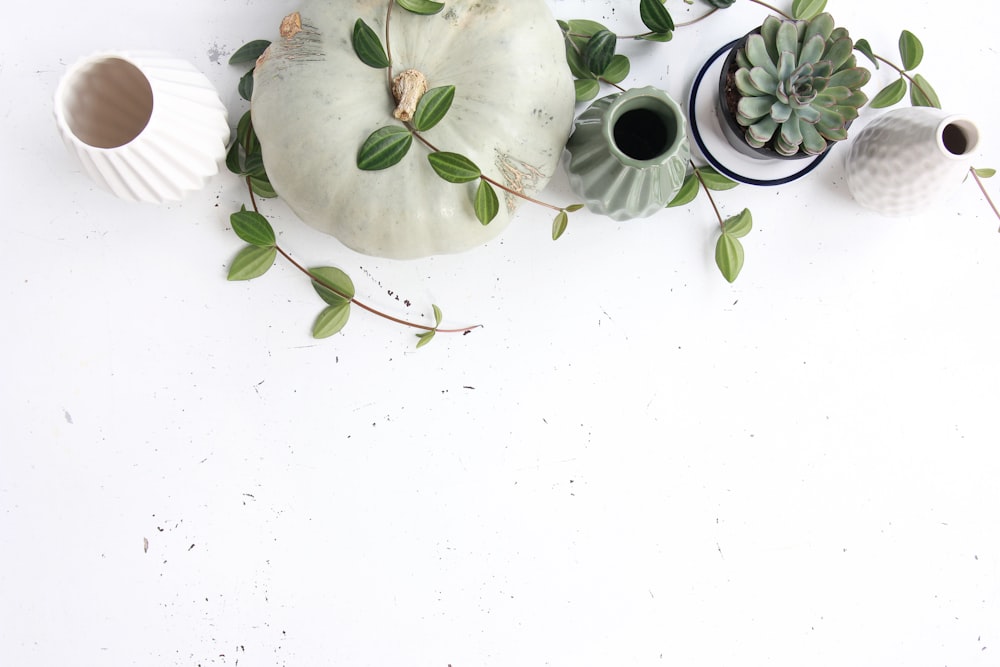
644, 134
959, 137
108, 103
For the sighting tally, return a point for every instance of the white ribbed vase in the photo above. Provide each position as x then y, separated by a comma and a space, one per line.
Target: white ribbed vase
145, 126
910, 158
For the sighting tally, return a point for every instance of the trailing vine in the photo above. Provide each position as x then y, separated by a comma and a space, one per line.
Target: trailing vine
592, 58
334, 287
418, 110
591, 53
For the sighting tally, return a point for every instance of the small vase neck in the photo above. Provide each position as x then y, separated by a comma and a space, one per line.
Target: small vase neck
957, 137
643, 127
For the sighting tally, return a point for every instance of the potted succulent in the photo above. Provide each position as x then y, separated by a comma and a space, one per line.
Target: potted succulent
790, 89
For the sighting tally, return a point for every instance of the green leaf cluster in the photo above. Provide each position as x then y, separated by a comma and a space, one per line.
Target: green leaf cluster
257, 257
248, 53
708, 176
259, 254
245, 159
591, 48
729, 253
427, 336
590, 54
336, 289
366, 42
387, 146
911, 54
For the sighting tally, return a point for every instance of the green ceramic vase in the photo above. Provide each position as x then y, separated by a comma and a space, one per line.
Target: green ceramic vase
629, 153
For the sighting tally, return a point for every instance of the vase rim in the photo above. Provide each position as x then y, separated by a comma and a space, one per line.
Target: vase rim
632, 99
970, 132
65, 96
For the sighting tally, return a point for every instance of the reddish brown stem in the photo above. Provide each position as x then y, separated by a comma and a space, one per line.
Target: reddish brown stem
486, 178
903, 73
709, 194
354, 300
696, 20
982, 188
773, 9
388, 46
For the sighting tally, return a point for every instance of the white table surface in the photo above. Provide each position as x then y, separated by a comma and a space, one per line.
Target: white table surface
632, 463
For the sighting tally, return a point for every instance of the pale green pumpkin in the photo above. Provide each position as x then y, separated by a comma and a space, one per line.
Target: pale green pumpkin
314, 104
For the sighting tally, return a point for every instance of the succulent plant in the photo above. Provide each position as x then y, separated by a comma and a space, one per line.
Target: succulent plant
799, 85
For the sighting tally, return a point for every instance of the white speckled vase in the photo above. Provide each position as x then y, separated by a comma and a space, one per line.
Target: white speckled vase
909, 158
145, 126
629, 153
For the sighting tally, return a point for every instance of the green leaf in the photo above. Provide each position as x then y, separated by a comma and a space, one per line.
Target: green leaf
922, 94
252, 227
245, 86
573, 208
807, 9
658, 37
438, 315
586, 89
740, 225
985, 172
384, 147
599, 51
865, 48
655, 16
559, 224
424, 7
911, 51
687, 193
254, 165
714, 180
487, 204
244, 132
729, 256
333, 285
233, 162
368, 46
618, 69
453, 167
424, 338
577, 67
585, 28
251, 262
721, 4
249, 52
432, 107
889, 95
331, 320
262, 187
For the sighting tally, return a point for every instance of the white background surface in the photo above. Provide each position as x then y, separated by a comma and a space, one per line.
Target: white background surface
632, 463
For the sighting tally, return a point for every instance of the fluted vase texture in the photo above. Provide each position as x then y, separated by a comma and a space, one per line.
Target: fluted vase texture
910, 158
629, 153
145, 126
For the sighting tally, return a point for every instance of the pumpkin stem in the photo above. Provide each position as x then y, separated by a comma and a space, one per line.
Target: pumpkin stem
291, 25
407, 88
